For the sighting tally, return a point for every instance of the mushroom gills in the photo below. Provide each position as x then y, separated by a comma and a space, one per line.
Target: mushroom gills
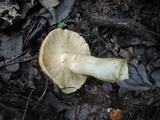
105, 69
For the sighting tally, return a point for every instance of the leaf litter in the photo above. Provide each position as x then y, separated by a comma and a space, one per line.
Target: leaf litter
112, 28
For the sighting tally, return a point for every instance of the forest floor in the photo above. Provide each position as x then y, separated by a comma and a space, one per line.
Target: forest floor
128, 29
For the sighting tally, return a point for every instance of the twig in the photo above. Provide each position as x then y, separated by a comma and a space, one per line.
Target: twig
128, 24
18, 60
44, 92
17, 56
25, 111
29, 32
34, 102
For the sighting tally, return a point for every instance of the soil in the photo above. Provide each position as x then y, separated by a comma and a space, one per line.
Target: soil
128, 29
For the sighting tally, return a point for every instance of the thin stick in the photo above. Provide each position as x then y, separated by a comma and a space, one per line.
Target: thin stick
18, 60
25, 111
44, 92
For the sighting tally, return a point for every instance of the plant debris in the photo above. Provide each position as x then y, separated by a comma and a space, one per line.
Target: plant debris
116, 114
127, 29
9, 10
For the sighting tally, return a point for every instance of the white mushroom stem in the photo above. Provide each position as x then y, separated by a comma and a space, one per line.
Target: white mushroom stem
106, 69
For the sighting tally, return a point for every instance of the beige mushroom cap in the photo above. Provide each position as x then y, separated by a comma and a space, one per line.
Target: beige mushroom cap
56, 43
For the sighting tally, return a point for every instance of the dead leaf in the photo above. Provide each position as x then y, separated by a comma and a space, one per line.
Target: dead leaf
157, 64
126, 53
107, 87
53, 103
63, 9
11, 47
5, 75
116, 114
8, 10
155, 76
24, 7
139, 41
151, 53
45, 13
138, 50
138, 80
84, 111
49, 3
12, 68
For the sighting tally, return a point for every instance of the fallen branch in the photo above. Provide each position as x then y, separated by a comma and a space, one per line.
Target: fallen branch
129, 24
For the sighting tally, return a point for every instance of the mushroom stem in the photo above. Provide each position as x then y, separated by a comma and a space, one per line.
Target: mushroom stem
106, 69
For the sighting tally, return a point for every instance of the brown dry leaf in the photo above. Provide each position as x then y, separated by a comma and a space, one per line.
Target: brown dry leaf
116, 114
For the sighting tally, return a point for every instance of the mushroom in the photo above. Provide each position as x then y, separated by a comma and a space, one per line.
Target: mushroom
65, 57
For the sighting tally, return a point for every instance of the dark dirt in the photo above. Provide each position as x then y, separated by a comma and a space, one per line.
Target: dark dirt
127, 29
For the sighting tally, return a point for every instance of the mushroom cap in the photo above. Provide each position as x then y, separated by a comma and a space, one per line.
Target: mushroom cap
57, 42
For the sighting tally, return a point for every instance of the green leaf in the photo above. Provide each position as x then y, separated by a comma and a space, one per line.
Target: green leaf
62, 25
